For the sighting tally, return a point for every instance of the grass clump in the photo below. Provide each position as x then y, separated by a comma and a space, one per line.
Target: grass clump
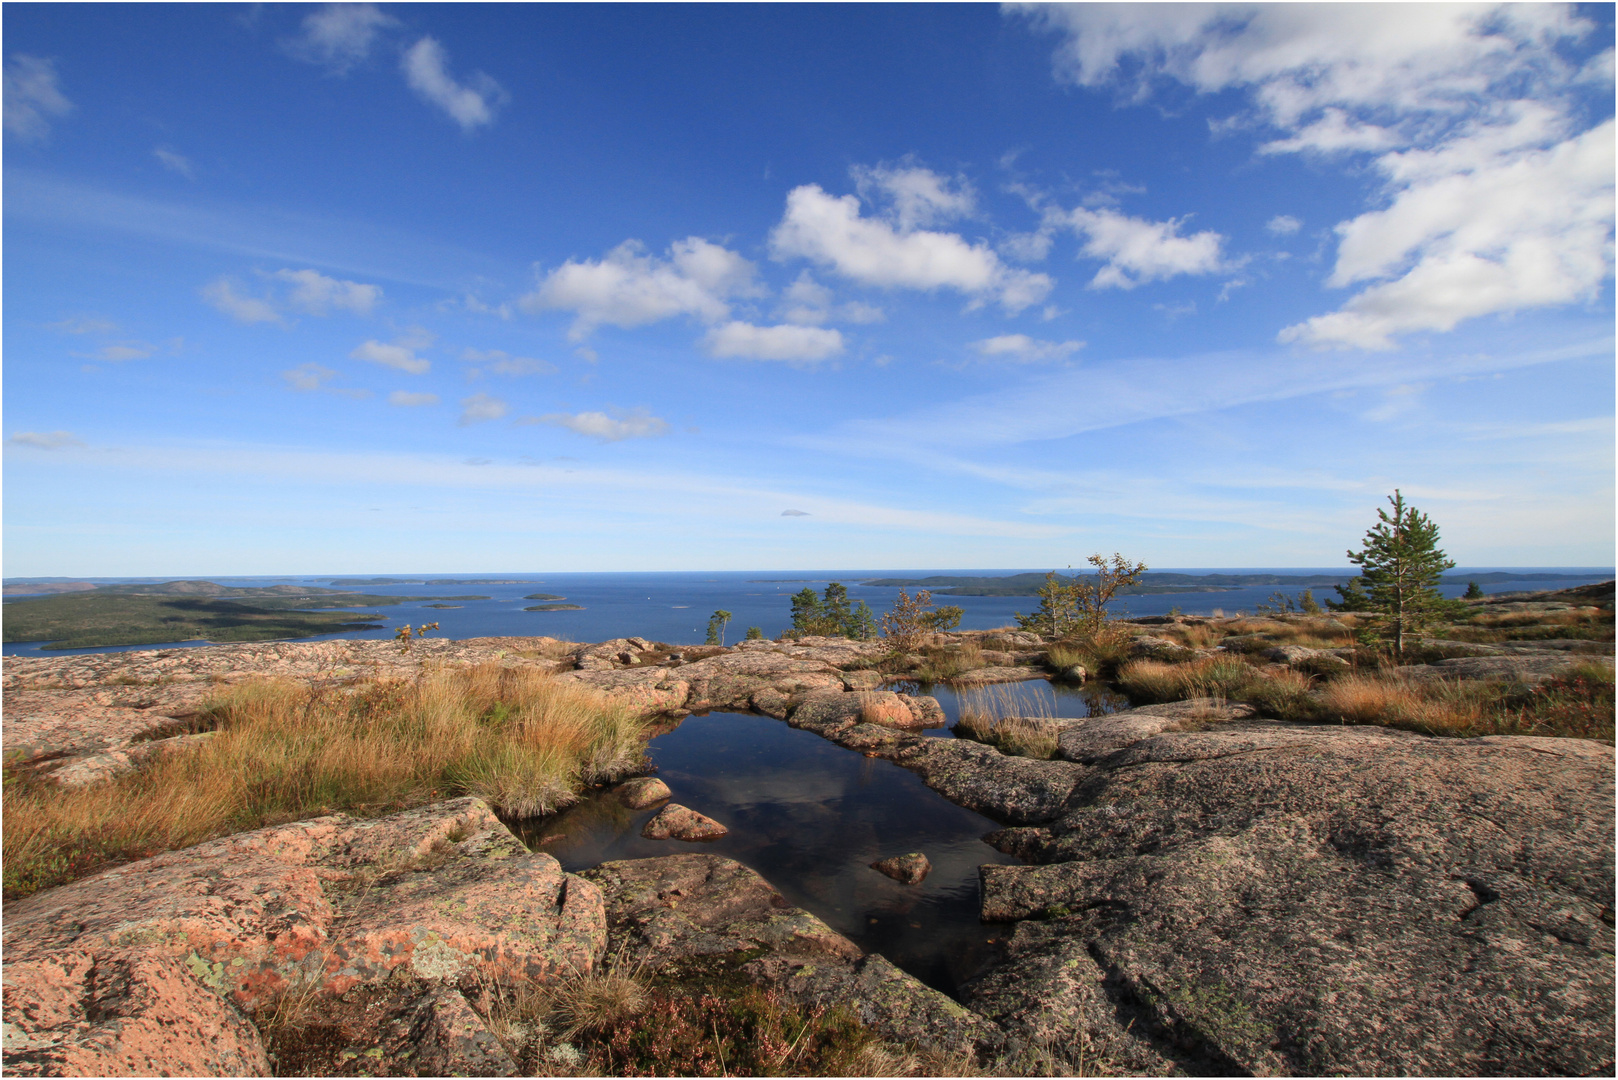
285, 750
950, 662
1577, 703
1154, 681
1007, 720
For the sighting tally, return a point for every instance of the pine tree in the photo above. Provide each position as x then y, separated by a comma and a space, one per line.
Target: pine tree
716, 627
1400, 567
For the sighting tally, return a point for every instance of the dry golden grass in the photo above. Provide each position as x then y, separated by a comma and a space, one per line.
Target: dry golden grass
1004, 717
284, 750
947, 663
1154, 681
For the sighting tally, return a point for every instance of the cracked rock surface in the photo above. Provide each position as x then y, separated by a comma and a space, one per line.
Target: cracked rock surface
1265, 898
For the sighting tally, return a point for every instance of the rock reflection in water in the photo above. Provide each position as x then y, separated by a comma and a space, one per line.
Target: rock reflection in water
811, 817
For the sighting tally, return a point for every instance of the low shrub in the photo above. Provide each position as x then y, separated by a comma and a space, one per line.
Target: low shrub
284, 751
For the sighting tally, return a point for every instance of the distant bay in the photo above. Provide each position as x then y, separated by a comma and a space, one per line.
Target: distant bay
674, 607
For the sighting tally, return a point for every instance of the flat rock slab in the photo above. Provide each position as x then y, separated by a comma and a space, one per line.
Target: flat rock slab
1295, 899
1012, 789
679, 907
1093, 738
442, 895
1525, 667
984, 675
676, 822
641, 792
909, 869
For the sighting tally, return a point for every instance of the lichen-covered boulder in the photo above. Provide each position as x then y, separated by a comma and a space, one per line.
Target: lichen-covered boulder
676, 822
908, 869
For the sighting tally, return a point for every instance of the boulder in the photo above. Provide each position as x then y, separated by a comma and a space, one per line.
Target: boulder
909, 869
441, 895
676, 822
1523, 667
650, 691
1264, 898
643, 791
888, 709
1092, 738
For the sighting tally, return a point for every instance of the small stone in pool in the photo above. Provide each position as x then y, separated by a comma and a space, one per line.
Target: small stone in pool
909, 869
676, 822
642, 792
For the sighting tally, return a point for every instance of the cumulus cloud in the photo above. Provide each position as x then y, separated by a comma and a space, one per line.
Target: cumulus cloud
318, 294
793, 343
222, 295
32, 98
400, 356
174, 162
631, 288
831, 231
1497, 195
45, 440
1023, 349
480, 407
503, 363
405, 399
338, 36
633, 425
915, 197
1137, 251
471, 104
1283, 225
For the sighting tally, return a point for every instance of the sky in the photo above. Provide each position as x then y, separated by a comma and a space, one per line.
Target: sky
478, 288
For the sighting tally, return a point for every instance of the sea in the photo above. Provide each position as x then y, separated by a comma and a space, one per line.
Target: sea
674, 607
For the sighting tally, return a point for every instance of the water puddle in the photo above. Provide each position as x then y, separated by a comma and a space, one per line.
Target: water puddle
811, 817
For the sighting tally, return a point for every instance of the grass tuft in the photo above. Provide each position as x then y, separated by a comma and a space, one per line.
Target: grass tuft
1004, 718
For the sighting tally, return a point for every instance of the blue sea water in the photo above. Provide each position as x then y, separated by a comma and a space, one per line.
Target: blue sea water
674, 607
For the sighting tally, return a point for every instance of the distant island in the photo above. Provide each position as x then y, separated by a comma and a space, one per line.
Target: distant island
555, 607
1158, 583
192, 611
543, 596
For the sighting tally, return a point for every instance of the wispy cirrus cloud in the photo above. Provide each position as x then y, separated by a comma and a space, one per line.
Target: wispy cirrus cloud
45, 440
32, 97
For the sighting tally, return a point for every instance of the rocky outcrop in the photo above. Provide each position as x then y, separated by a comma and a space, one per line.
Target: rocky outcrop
1258, 897
676, 822
192, 940
1532, 666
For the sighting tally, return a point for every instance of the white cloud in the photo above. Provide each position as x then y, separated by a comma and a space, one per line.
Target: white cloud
174, 162
405, 399
222, 294
503, 363
1283, 225
1137, 251
45, 440
339, 36
634, 425
471, 104
831, 231
630, 288
308, 377
317, 294
32, 98
1023, 349
916, 196
1530, 230
796, 513
787, 342
400, 356
1494, 200
480, 407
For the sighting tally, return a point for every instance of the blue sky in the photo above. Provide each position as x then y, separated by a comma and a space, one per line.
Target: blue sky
356, 288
